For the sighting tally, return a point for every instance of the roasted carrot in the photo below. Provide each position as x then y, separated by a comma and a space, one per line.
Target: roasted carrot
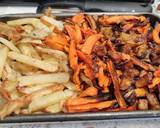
73, 58
130, 108
103, 80
91, 107
116, 84
91, 91
157, 73
88, 71
74, 33
56, 41
80, 101
118, 19
79, 18
155, 34
76, 74
155, 82
89, 43
88, 32
138, 62
85, 58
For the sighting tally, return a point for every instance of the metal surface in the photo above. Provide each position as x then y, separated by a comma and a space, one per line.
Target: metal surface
81, 116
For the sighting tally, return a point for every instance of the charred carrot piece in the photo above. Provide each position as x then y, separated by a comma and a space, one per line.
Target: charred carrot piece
118, 19
88, 32
130, 108
116, 84
79, 18
56, 41
140, 63
103, 80
73, 58
155, 82
80, 101
78, 35
157, 73
88, 71
89, 43
85, 58
156, 34
74, 32
91, 107
91, 91
127, 27
76, 74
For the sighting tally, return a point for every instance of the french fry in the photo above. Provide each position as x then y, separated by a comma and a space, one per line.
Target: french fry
9, 44
19, 103
31, 21
28, 90
9, 73
56, 53
3, 53
55, 108
9, 85
28, 50
48, 100
69, 85
43, 79
33, 62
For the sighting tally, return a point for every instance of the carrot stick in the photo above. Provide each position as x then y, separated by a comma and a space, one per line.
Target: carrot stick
140, 63
80, 101
84, 57
157, 73
103, 80
89, 43
156, 34
116, 84
79, 18
73, 58
90, 107
74, 33
88, 71
130, 108
91, 91
75, 77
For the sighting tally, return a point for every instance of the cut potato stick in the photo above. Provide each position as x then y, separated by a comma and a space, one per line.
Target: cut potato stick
28, 90
28, 50
10, 86
4, 93
55, 108
3, 54
9, 44
43, 79
69, 85
31, 41
33, 21
56, 53
13, 105
48, 100
9, 73
33, 62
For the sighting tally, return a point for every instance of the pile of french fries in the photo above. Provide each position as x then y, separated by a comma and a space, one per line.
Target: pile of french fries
34, 77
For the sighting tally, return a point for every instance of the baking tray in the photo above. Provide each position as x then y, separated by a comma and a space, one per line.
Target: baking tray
80, 116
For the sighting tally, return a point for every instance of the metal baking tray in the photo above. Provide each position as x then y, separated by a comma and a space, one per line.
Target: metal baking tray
80, 116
